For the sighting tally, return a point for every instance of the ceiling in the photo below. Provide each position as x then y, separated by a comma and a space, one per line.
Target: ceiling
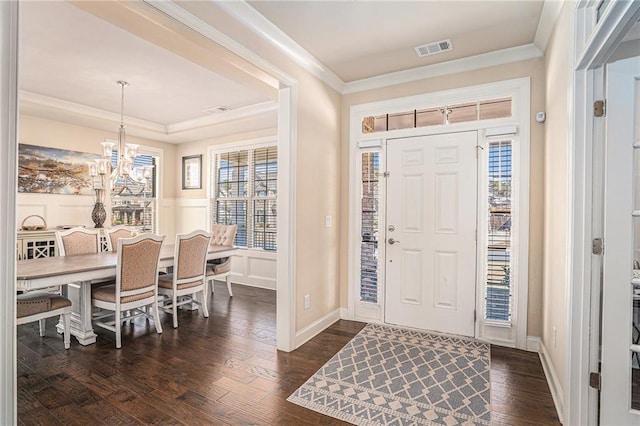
361, 39
70, 59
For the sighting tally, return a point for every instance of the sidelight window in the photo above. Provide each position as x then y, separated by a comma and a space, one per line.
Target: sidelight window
498, 263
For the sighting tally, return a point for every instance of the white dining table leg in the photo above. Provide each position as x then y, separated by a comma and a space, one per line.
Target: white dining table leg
81, 326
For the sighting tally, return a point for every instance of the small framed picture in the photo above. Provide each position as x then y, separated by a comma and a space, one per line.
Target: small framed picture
192, 172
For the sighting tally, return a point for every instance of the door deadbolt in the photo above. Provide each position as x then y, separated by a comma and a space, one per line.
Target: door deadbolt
391, 228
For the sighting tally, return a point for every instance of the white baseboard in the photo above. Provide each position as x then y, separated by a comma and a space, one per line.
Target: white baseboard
552, 380
533, 344
345, 314
315, 328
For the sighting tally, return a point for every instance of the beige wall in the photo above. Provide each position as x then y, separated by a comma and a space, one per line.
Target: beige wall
50, 133
533, 68
318, 171
556, 182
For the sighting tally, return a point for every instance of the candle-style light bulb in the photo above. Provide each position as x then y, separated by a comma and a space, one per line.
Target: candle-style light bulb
93, 168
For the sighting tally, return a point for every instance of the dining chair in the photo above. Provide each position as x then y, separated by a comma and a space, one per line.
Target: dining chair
115, 233
136, 285
38, 306
219, 269
78, 240
189, 274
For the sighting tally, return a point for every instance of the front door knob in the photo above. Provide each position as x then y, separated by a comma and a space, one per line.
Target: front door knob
391, 241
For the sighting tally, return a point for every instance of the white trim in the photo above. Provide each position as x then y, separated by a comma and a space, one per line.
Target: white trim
498, 132
517, 88
286, 238
345, 314
8, 169
619, 17
178, 13
256, 22
222, 117
316, 327
547, 23
533, 343
553, 381
498, 57
592, 45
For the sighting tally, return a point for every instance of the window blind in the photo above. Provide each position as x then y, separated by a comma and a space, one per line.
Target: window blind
498, 266
369, 259
245, 194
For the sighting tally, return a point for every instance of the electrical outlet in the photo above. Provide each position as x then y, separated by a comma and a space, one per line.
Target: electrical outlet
328, 221
555, 337
307, 301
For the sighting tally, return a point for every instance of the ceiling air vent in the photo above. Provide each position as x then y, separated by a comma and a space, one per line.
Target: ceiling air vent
216, 109
433, 48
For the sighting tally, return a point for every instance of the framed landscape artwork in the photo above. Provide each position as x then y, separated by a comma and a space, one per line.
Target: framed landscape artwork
53, 171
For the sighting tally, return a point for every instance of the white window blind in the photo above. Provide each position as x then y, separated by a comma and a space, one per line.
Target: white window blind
245, 193
498, 266
369, 258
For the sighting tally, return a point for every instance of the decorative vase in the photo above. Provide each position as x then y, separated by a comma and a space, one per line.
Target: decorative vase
98, 215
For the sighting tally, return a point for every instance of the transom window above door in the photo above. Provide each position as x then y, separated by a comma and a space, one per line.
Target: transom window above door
440, 115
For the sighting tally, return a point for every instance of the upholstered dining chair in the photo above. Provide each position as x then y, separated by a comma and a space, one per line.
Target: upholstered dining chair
189, 276
136, 285
78, 240
114, 234
38, 306
219, 269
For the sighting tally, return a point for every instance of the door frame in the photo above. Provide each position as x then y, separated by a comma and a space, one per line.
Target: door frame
592, 43
519, 90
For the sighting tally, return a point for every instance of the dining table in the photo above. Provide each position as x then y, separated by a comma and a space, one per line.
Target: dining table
76, 274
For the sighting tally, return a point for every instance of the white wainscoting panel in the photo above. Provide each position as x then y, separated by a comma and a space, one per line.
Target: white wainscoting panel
256, 268
56, 209
191, 214
167, 219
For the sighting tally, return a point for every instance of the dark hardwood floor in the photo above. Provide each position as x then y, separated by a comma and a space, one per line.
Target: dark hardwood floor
224, 370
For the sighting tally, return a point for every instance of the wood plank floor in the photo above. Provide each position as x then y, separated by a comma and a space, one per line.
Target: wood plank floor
224, 370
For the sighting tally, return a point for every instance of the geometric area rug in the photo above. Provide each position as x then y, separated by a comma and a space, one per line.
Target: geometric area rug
395, 376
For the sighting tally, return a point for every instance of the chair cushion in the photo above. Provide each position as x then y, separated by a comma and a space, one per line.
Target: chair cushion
166, 281
218, 266
107, 293
223, 235
38, 302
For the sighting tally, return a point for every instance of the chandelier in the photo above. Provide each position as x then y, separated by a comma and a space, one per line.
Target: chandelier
124, 178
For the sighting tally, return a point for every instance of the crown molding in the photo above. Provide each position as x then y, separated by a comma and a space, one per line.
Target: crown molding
184, 131
497, 57
256, 22
548, 18
87, 111
222, 117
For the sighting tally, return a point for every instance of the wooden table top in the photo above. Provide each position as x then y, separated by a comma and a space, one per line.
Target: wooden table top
33, 269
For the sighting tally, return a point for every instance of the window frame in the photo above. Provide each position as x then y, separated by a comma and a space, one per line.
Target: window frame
212, 192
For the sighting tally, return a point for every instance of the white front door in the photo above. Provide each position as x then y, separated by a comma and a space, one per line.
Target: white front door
431, 226
620, 399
